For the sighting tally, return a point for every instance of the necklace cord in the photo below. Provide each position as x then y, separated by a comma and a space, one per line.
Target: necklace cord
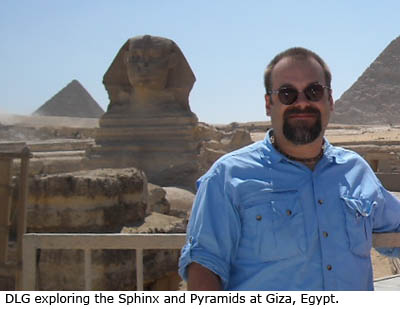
305, 160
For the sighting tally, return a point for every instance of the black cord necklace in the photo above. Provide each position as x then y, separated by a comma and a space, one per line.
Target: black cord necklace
307, 160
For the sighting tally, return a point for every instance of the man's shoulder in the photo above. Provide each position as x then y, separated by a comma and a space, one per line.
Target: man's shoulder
338, 150
344, 155
242, 158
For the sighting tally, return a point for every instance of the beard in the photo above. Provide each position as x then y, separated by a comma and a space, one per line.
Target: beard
301, 132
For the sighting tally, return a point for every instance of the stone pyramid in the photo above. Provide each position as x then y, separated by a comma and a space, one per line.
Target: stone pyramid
71, 101
375, 97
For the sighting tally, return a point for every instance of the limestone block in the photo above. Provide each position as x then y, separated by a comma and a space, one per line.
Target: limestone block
156, 200
87, 201
239, 139
181, 201
206, 132
158, 223
208, 157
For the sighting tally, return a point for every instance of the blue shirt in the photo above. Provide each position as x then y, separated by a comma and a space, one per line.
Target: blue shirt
263, 222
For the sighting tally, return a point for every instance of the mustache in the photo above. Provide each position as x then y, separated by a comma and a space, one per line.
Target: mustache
307, 110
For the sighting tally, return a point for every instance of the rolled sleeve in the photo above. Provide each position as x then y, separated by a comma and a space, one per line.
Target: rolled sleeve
192, 252
213, 230
388, 220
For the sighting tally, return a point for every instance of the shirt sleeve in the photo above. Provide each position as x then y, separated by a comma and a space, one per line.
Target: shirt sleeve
388, 220
213, 231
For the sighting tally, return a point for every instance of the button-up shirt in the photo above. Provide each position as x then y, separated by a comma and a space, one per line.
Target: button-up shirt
263, 222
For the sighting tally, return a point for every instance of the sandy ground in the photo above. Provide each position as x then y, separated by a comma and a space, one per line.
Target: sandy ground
344, 134
47, 121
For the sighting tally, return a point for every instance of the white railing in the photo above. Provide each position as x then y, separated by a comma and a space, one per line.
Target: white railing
89, 242
139, 242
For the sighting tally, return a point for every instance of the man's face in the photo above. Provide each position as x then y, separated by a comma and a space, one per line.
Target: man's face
303, 121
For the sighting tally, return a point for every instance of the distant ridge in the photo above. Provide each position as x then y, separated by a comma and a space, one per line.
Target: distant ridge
375, 97
71, 101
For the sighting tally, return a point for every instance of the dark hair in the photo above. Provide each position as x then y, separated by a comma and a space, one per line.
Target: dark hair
295, 52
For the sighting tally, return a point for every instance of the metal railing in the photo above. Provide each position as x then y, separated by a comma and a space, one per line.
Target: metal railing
139, 242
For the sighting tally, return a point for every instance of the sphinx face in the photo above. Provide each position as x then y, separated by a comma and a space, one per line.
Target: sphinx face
148, 63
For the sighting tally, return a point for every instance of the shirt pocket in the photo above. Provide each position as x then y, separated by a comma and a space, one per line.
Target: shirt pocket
358, 216
272, 226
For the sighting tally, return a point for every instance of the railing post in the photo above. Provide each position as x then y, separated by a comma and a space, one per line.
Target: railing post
139, 270
29, 265
88, 269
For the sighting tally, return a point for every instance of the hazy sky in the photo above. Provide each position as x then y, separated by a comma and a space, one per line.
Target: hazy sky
45, 44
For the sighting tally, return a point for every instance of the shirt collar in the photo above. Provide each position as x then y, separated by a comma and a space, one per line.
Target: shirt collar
271, 155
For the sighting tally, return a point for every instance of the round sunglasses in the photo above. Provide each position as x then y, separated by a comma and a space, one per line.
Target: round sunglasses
288, 95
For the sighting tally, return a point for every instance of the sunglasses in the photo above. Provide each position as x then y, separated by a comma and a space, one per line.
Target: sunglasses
288, 95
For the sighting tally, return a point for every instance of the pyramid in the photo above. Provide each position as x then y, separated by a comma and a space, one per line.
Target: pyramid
71, 101
375, 97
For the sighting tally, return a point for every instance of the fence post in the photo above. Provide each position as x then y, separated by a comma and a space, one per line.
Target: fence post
29, 265
88, 269
139, 269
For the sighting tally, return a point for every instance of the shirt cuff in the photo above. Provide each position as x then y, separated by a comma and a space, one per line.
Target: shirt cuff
193, 253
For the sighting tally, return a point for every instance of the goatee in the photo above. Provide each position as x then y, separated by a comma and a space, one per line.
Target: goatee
301, 132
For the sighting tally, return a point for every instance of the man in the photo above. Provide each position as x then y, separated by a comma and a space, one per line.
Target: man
291, 212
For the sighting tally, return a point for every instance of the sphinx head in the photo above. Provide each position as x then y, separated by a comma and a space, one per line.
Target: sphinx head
150, 62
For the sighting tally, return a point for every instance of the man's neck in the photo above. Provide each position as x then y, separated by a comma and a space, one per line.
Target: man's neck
309, 154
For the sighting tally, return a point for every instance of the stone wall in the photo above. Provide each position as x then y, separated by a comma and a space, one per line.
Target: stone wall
100, 200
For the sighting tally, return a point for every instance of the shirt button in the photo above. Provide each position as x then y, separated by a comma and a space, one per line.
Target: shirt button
258, 218
320, 202
325, 234
329, 267
289, 212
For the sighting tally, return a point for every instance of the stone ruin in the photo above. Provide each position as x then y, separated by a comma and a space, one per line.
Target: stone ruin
148, 122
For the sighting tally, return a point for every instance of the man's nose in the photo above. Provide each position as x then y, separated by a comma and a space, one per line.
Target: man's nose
302, 99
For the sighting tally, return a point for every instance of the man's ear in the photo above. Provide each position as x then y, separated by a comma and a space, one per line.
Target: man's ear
268, 104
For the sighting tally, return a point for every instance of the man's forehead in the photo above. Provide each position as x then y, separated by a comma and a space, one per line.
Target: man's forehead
296, 61
297, 67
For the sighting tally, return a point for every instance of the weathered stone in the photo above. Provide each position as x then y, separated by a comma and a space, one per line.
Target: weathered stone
206, 132
156, 200
373, 98
181, 201
208, 156
102, 200
218, 141
148, 122
158, 223
87, 201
